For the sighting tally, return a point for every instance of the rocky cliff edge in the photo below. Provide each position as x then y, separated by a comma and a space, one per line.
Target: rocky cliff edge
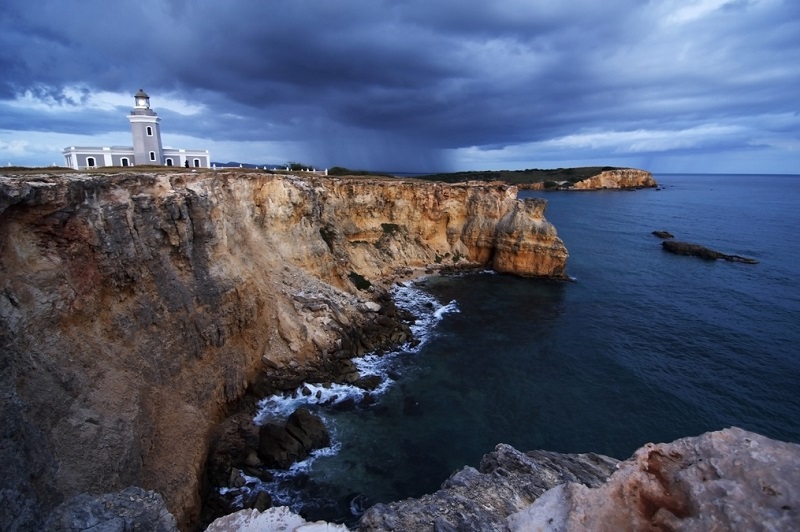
135, 309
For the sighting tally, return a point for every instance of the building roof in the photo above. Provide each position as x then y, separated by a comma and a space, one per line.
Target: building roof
141, 94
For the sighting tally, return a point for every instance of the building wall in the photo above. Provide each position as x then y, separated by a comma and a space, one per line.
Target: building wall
196, 158
147, 147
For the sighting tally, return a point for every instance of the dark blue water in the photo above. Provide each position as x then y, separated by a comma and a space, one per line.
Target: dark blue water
644, 346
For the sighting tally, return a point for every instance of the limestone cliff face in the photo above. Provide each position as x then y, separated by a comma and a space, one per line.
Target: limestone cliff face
135, 308
619, 178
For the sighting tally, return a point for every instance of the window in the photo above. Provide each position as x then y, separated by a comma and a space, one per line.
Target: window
124, 161
149, 131
197, 163
152, 156
90, 162
169, 161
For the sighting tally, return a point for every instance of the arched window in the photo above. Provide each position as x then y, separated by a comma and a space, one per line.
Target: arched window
149, 131
197, 163
169, 161
124, 161
90, 162
152, 156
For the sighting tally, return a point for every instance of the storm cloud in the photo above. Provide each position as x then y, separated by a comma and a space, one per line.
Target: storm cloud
415, 85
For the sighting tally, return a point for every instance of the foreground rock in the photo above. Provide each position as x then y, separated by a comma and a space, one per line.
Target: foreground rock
130, 509
481, 499
137, 309
696, 250
726, 480
272, 520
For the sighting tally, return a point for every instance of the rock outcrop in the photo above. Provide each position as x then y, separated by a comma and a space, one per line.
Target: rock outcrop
696, 250
136, 308
621, 178
481, 499
726, 480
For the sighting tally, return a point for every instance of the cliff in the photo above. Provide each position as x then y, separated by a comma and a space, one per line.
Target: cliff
137, 308
622, 178
616, 179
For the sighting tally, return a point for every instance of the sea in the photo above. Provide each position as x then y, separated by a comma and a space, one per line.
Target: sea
641, 346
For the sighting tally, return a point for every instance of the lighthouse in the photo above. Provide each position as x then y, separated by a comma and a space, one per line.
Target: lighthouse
146, 131
147, 148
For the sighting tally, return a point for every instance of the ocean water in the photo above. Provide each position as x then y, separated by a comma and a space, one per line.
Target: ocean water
644, 346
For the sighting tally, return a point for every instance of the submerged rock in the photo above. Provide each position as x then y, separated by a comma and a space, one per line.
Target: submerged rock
663, 234
696, 250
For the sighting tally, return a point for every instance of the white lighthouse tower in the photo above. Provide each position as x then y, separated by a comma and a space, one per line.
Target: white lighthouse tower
147, 147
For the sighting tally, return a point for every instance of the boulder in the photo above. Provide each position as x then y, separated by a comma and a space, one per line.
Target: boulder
277, 448
308, 429
369, 382
281, 445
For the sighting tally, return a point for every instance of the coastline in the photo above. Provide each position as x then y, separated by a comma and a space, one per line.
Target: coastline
168, 299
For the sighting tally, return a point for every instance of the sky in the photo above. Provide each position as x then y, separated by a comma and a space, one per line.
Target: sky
670, 86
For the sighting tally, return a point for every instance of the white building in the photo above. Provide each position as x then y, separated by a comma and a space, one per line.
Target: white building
146, 148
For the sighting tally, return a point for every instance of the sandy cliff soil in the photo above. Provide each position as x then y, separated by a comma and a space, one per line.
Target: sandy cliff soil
136, 308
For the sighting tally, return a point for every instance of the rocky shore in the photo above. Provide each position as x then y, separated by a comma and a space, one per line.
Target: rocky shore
139, 310
725, 480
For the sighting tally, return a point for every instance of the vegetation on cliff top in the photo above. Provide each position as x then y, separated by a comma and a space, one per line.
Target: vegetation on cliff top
522, 177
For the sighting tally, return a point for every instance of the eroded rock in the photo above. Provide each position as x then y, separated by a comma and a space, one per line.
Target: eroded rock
481, 499
130, 509
726, 480
137, 308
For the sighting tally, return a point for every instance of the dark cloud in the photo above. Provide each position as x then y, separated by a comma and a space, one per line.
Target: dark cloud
384, 83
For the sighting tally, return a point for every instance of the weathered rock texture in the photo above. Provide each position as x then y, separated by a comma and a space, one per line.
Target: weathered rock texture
278, 519
620, 178
132, 509
481, 500
726, 480
135, 308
